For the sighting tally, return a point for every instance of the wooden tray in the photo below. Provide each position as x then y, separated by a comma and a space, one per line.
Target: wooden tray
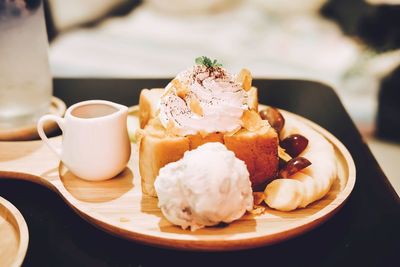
14, 235
57, 107
118, 206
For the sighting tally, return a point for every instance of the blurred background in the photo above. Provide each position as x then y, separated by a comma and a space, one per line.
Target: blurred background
352, 45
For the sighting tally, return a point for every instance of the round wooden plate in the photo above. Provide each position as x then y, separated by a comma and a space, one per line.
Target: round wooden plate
119, 207
14, 236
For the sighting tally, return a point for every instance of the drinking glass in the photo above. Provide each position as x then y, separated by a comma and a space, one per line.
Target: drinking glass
25, 79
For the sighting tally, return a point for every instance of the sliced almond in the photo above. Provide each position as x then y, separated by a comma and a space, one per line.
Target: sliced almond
180, 89
252, 98
258, 197
283, 155
244, 77
196, 107
257, 210
251, 120
230, 133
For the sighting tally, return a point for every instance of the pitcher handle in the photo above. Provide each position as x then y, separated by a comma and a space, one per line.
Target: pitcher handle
42, 134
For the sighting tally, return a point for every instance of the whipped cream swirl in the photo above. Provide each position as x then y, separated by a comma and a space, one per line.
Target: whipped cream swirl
203, 100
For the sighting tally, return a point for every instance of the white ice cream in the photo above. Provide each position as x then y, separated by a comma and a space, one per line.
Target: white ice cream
222, 100
207, 186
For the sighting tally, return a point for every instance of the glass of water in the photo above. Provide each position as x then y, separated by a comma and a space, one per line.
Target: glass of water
25, 79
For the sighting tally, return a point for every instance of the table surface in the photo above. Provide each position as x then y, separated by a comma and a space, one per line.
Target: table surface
365, 232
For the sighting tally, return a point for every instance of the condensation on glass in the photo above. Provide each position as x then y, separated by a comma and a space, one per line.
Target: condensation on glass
25, 80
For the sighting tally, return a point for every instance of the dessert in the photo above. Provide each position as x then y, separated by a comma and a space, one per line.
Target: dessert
204, 148
205, 104
209, 185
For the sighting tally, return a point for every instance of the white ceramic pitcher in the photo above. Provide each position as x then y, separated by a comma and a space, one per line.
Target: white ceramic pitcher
95, 143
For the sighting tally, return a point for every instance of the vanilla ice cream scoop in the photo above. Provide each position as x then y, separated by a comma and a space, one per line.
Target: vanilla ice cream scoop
207, 186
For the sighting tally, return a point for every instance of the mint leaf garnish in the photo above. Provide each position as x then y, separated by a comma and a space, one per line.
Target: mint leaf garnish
203, 60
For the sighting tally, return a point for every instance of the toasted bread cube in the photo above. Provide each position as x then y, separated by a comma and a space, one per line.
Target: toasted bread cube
148, 104
259, 150
198, 140
155, 153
